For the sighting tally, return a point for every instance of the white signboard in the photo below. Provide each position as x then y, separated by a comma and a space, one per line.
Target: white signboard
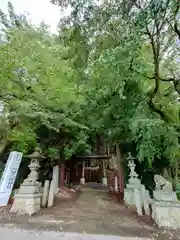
9, 176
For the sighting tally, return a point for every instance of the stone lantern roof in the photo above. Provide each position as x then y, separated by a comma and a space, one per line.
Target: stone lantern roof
36, 155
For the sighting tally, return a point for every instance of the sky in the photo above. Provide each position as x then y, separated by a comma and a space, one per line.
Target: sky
39, 10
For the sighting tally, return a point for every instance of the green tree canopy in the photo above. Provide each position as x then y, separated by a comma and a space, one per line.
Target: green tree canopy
110, 72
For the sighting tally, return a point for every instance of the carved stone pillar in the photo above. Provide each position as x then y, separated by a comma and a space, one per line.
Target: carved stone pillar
55, 177
45, 193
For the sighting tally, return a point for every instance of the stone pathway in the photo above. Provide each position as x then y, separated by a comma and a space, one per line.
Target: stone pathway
94, 213
93, 206
15, 233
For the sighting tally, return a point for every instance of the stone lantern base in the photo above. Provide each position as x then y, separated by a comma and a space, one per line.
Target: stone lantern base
26, 203
166, 214
82, 181
129, 192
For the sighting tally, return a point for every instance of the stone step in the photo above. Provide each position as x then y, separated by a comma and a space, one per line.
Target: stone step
94, 187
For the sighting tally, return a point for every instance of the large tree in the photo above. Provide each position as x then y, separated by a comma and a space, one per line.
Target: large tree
38, 89
102, 76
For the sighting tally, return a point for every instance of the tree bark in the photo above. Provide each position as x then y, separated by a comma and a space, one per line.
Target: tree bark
3, 146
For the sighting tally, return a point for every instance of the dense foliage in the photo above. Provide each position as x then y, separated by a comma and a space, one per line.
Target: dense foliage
110, 73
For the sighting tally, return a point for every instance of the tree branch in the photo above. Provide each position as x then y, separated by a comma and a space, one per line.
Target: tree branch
166, 79
132, 69
177, 31
156, 52
174, 81
157, 110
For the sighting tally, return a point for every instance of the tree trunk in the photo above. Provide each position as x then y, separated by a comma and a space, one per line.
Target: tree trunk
3, 146
101, 144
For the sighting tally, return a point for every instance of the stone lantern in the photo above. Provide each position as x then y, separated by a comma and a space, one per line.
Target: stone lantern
32, 179
28, 198
131, 164
133, 182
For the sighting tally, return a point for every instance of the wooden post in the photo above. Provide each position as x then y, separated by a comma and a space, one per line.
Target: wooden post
104, 170
83, 165
120, 171
76, 169
104, 179
82, 180
62, 168
69, 177
65, 180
